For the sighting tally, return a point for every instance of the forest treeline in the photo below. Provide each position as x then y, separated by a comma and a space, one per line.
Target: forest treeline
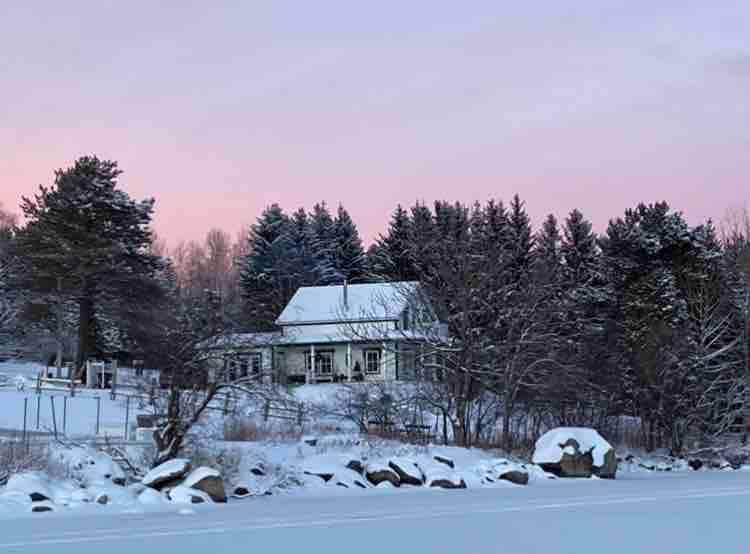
650, 318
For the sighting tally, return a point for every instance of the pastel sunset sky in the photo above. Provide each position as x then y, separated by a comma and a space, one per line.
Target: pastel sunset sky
220, 108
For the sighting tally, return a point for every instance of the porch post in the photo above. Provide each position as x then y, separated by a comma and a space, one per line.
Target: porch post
311, 372
383, 366
349, 361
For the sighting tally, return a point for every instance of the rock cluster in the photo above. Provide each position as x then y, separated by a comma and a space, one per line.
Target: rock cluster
180, 483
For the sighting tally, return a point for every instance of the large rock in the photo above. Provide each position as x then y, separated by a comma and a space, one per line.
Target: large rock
516, 477
445, 461
325, 476
575, 452
42, 506
445, 483
408, 472
348, 478
167, 474
207, 480
356, 465
379, 473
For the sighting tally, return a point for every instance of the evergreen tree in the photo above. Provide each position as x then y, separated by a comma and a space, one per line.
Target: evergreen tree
391, 257
265, 279
301, 266
579, 249
323, 245
423, 236
349, 257
653, 257
88, 240
521, 240
547, 254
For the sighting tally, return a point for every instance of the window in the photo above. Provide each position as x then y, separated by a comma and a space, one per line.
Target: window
256, 363
230, 368
243, 365
372, 361
408, 360
405, 319
323, 362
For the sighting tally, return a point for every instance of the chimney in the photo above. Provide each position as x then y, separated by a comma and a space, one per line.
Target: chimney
346, 295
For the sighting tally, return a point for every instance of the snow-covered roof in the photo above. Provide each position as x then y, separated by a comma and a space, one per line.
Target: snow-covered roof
242, 340
364, 302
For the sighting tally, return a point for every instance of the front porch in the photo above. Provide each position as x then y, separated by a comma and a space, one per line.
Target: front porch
340, 362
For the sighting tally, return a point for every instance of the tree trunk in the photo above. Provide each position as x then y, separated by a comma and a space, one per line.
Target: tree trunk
168, 441
86, 316
507, 423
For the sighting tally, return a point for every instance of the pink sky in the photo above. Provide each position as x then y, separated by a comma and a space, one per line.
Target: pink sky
218, 109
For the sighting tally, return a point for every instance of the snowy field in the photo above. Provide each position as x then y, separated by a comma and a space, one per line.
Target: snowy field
639, 513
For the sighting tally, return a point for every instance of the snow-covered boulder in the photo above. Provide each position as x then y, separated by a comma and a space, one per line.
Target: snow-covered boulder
208, 481
440, 475
356, 465
377, 472
167, 474
448, 483
241, 490
515, 476
503, 470
444, 460
349, 479
42, 506
575, 452
323, 466
408, 471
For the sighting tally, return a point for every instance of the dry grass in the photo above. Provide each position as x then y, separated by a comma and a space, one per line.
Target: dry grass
17, 456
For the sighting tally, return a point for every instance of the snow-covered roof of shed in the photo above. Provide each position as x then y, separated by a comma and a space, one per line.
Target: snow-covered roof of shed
366, 302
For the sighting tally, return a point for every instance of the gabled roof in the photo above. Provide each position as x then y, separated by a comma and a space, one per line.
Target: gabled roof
365, 302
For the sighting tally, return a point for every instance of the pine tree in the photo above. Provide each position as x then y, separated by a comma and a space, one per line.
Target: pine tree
349, 258
547, 255
8, 296
265, 279
521, 240
391, 257
87, 238
579, 249
323, 245
301, 267
422, 238
652, 258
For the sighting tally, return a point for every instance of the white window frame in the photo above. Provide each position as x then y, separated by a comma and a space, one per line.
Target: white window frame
320, 357
378, 356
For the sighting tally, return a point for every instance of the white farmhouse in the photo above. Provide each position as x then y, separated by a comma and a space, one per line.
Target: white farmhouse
362, 332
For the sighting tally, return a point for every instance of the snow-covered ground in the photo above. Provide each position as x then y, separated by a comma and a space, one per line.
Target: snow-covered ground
77, 414
657, 512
